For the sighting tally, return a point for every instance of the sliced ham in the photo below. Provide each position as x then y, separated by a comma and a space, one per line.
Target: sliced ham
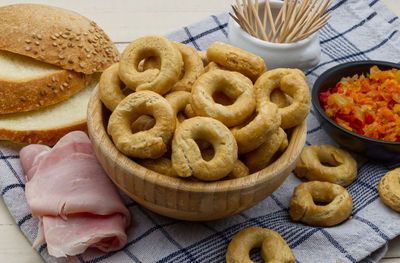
77, 204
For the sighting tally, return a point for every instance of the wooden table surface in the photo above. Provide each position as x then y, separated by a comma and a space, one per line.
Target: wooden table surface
123, 21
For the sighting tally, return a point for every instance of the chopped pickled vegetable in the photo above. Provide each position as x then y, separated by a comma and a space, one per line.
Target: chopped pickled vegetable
367, 104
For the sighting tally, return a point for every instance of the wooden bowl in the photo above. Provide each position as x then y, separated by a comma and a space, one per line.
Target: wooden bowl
180, 198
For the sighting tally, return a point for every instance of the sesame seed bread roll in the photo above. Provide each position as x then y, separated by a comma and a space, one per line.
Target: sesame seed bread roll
56, 36
50, 60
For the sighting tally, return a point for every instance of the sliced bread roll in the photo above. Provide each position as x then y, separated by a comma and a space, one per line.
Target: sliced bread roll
47, 56
48, 125
27, 84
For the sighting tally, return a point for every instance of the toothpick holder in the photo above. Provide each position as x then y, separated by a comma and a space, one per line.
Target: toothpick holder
303, 54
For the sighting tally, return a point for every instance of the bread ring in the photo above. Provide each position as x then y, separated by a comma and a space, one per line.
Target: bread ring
151, 143
158, 80
251, 135
178, 100
203, 56
161, 165
142, 123
389, 189
234, 85
186, 156
189, 112
293, 83
212, 65
110, 87
261, 157
341, 168
239, 168
304, 209
192, 68
274, 249
281, 99
236, 59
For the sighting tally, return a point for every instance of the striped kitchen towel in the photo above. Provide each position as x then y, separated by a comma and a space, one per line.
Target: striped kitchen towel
358, 30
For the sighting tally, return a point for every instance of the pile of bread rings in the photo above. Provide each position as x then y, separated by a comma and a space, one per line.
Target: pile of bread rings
205, 116
220, 115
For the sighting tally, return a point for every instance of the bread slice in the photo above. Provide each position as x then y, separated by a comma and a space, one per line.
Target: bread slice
56, 36
49, 124
27, 84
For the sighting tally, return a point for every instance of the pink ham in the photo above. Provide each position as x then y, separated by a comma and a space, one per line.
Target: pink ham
76, 202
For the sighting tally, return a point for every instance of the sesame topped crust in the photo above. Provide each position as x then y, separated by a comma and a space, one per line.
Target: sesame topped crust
57, 36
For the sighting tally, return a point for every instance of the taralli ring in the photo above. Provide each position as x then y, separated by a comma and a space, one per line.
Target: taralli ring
303, 205
161, 165
291, 82
326, 163
260, 157
251, 135
273, 246
178, 100
389, 189
158, 80
110, 87
232, 84
151, 143
236, 59
192, 68
186, 156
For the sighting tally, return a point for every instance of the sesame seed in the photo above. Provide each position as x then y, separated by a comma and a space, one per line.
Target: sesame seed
28, 41
64, 47
88, 56
39, 37
61, 88
57, 35
78, 38
41, 102
69, 44
64, 36
54, 44
42, 49
28, 48
69, 76
53, 37
82, 65
43, 92
55, 91
67, 28
85, 33
67, 33
37, 43
70, 61
61, 57
41, 57
49, 85
65, 84
87, 49
53, 79
33, 35
91, 30
22, 99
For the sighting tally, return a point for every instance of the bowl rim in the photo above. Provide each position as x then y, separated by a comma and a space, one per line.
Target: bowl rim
238, 184
341, 67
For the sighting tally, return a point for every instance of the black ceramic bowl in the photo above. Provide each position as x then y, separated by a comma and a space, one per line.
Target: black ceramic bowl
371, 148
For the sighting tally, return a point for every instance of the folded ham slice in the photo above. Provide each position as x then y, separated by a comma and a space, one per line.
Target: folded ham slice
77, 204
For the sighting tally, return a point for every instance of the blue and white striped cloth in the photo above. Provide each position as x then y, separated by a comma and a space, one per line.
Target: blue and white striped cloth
358, 30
